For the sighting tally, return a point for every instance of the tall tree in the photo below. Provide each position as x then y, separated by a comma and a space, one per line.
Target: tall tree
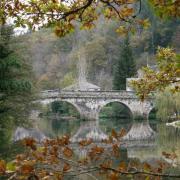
15, 88
124, 67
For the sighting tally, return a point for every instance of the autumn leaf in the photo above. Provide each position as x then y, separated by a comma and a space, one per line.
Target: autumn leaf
83, 161
144, 22
85, 142
58, 176
121, 30
27, 167
20, 157
10, 166
122, 133
95, 150
68, 152
63, 141
66, 167
30, 142
122, 166
113, 176
53, 159
114, 134
125, 12
106, 164
2, 166
115, 149
147, 167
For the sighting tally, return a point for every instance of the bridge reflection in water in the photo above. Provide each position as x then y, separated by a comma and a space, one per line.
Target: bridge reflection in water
140, 141
139, 135
91, 130
139, 131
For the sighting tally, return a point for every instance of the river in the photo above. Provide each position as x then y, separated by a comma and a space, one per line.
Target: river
146, 140
166, 138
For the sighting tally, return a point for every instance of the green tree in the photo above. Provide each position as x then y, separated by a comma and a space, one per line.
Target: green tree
125, 66
168, 63
167, 104
15, 88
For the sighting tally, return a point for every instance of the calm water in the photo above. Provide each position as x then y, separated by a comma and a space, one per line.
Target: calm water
167, 138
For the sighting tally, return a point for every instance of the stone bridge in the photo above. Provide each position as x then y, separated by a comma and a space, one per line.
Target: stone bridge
90, 103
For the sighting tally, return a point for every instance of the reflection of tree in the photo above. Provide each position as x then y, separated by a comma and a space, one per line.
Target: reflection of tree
58, 127
63, 109
169, 139
107, 124
116, 110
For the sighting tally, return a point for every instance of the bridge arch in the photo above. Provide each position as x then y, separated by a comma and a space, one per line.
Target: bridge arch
50, 101
115, 101
153, 109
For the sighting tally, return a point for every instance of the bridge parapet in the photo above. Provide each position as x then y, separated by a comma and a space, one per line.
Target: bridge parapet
88, 94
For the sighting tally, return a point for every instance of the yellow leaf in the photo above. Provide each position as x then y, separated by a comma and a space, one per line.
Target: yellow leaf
121, 30
10, 166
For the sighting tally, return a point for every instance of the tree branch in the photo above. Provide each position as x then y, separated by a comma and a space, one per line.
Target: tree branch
141, 172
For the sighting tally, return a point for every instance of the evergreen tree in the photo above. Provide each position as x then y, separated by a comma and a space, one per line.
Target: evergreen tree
124, 67
15, 88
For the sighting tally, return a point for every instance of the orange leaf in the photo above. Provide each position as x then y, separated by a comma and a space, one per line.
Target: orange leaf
122, 132
66, 167
115, 148
68, 152
122, 166
30, 142
85, 142
27, 168
147, 167
107, 164
114, 134
83, 161
2, 166
63, 141
114, 176
20, 158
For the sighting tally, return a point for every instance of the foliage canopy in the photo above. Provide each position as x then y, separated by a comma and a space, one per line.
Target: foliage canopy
63, 14
167, 74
